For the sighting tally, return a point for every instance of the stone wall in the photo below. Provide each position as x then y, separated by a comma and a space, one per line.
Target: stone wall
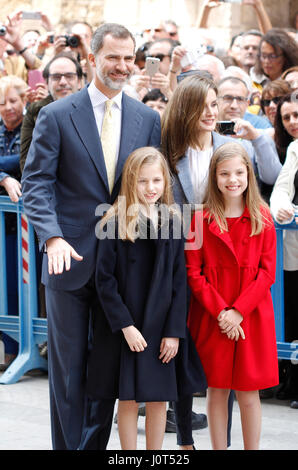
224, 21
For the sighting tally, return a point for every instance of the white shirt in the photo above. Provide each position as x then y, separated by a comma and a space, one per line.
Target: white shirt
98, 100
199, 161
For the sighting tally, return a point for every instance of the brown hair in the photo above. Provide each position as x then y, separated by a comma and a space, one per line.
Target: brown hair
214, 201
281, 42
281, 137
179, 122
277, 87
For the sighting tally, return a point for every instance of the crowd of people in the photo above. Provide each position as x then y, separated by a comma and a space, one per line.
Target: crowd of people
89, 117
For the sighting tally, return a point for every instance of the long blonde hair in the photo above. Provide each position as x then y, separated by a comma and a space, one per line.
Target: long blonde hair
128, 216
214, 201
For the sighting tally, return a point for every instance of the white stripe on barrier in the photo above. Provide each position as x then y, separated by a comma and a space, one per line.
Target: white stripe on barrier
25, 251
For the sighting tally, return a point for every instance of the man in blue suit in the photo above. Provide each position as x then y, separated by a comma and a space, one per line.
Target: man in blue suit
65, 178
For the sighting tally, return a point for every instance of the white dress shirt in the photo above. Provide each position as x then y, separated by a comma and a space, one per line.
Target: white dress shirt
98, 100
199, 161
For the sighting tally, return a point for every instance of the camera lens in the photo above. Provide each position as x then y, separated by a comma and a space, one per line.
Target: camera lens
2, 30
72, 41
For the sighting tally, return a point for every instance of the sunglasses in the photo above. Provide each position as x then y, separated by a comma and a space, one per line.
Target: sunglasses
156, 30
266, 103
159, 56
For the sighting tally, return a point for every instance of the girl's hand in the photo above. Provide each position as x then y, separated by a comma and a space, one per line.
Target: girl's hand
235, 333
134, 338
168, 349
229, 319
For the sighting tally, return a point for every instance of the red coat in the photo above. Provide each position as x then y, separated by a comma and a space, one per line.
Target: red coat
234, 270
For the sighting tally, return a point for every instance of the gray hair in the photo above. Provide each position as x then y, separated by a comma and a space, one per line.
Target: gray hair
116, 30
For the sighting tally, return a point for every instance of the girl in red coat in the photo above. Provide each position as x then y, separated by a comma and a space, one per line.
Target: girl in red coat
231, 316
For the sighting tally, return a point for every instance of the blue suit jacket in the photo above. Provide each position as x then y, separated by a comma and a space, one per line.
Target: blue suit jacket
65, 179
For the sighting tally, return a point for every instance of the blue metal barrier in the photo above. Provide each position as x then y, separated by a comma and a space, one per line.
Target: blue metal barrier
30, 330
285, 350
25, 326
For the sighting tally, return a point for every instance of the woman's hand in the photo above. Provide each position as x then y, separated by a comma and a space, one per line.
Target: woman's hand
168, 349
284, 214
134, 338
12, 187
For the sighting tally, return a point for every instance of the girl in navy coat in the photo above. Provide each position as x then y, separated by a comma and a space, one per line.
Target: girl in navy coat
141, 284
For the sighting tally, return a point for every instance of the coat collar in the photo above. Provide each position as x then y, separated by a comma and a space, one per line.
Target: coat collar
225, 236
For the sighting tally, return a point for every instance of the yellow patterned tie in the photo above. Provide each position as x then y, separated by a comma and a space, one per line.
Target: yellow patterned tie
108, 143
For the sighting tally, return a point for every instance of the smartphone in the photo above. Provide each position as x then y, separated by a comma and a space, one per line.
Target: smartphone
226, 127
34, 77
192, 55
51, 38
152, 65
31, 15
231, 1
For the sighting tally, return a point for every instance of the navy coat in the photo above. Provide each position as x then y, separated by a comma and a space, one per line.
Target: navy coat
141, 284
65, 179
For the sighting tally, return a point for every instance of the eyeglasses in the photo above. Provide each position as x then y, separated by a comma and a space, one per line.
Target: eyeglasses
270, 57
266, 103
159, 56
56, 77
229, 99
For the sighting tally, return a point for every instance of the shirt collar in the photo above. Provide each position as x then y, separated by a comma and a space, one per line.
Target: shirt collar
98, 98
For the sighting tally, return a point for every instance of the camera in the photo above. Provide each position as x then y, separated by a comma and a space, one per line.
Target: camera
2, 30
226, 127
72, 41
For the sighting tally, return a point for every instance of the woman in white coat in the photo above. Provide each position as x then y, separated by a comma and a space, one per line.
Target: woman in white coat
284, 208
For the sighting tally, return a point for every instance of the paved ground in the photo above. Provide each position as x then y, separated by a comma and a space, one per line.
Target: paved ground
25, 424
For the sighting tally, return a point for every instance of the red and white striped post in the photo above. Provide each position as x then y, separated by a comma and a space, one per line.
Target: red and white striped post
25, 248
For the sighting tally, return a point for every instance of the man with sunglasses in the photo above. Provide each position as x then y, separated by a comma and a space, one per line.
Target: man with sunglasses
161, 30
162, 50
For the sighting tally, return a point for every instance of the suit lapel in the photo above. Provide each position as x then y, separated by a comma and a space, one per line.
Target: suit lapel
85, 124
131, 127
185, 178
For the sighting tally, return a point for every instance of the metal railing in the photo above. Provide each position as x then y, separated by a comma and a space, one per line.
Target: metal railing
25, 326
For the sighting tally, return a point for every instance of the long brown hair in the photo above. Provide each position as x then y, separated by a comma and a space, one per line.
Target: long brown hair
214, 202
180, 119
128, 216
282, 138
281, 42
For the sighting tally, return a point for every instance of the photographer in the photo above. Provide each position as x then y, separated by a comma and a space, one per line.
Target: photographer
24, 60
79, 46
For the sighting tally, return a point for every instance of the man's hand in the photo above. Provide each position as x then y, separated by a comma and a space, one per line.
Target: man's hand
245, 130
59, 255
134, 338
